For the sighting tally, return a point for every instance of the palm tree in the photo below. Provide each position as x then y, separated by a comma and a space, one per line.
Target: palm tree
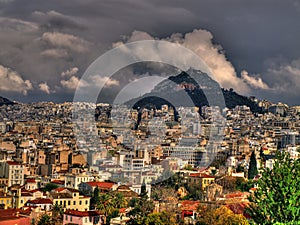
105, 204
45, 219
119, 201
57, 213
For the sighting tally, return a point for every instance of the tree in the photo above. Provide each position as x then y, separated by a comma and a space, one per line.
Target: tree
252, 172
221, 216
45, 219
119, 201
277, 198
49, 187
109, 204
95, 198
57, 213
105, 204
154, 219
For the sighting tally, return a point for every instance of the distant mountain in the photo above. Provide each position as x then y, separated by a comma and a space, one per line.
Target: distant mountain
184, 90
5, 101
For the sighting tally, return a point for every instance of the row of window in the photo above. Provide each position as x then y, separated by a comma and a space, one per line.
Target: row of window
7, 201
69, 202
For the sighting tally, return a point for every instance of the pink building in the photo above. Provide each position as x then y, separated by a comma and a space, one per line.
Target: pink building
83, 217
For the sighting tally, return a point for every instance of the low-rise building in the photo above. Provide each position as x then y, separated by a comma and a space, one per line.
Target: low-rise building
69, 199
201, 179
44, 203
83, 217
6, 200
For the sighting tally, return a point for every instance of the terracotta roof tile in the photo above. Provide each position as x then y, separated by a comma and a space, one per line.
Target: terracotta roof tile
82, 213
106, 185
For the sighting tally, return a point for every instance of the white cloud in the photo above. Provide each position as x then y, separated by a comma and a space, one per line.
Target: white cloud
70, 72
68, 41
44, 87
11, 24
12, 81
55, 53
73, 83
201, 43
109, 82
255, 82
284, 77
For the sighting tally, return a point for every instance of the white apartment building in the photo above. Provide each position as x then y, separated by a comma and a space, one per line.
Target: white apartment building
73, 180
14, 171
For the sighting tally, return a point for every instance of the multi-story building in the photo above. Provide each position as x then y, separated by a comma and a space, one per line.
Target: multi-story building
83, 218
69, 198
13, 171
73, 180
6, 200
201, 179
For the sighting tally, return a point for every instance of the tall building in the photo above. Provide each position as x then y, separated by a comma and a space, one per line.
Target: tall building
13, 171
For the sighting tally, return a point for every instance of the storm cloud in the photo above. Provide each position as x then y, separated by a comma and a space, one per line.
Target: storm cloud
254, 45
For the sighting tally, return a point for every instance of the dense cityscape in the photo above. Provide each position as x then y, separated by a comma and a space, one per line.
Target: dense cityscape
125, 172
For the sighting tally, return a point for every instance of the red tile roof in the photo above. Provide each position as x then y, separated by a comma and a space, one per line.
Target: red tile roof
36, 190
58, 182
81, 213
30, 180
60, 189
201, 175
189, 205
40, 201
13, 163
106, 185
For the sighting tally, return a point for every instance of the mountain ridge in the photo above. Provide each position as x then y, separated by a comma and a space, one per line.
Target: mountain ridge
5, 101
183, 90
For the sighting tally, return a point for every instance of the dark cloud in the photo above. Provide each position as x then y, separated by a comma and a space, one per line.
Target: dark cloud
254, 34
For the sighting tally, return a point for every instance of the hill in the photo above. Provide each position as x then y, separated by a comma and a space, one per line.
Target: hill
5, 101
183, 90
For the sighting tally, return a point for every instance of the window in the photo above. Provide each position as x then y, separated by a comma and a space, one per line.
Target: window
85, 219
74, 202
80, 202
69, 202
86, 202
71, 218
66, 217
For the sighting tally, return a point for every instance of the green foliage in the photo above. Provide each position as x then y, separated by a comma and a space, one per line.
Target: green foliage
220, 216
195, 192
175, 180
277, 199
95, 198
162, 218
153, 219
240, 168
252, 172
142, 207
49, 187
243, 185
57, 213
45, 220
109, 204
189, 167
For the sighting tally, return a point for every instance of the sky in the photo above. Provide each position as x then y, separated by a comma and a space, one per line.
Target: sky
251, 46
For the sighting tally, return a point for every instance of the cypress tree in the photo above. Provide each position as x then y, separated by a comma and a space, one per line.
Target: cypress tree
252, 171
